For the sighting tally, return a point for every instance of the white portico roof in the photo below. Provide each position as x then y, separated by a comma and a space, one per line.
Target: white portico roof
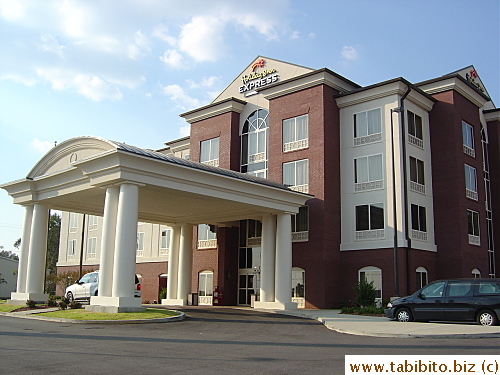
73, 177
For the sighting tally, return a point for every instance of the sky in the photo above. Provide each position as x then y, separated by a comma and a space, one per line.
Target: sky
124, 70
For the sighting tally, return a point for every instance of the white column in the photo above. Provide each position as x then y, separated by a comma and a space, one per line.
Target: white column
108, 241
37, 253
283, 278
122, 292
185, 262
267, 258
173, 267
25, 245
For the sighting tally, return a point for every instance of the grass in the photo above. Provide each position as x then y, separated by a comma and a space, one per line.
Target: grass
369, 310
80, 314
8, 308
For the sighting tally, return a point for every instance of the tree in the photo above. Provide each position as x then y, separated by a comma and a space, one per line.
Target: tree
365, 293
52, 252
8, 254
17, 243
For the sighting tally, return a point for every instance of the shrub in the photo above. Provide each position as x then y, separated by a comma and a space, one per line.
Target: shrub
365, 293
30, 303
52, 302
163, 293
62, 305
75, 305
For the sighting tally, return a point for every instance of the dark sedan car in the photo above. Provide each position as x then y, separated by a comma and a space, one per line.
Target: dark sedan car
458, 299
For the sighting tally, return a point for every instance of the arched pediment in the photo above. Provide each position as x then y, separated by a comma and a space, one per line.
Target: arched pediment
63, 155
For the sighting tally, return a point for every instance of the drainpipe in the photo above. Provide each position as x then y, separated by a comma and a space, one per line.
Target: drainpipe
405, 187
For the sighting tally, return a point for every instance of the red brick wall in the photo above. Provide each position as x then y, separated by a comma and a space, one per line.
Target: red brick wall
494, 163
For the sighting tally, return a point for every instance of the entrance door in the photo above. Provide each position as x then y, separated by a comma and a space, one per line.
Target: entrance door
248, 274
205, 288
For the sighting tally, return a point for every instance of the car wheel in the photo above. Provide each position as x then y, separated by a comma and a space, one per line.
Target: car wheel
487, 318
404, 315
70, 297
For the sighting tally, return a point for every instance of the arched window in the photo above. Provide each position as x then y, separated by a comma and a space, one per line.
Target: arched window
254, 144
374, 274
205, 287
476, 273
422, 279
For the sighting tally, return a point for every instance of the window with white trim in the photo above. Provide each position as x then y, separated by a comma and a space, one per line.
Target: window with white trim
367, 127
298, 286
165, 241
71, 249
205, 284
470, 182
370, 222
209, 152
254, 144
473, 227
295, 133
296, 175
73, 222
369, 274
418, 223
300, 225
417, 179
92, 222
422, 279
415, 133
91, 247
140, 244
368, 173
468, 139
207, 236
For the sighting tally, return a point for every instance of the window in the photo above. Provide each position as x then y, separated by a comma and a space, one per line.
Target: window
249, 258
417, 181
470, 182
296, 175
92, 222
205, 287
73, 221
459, 288
367, 127
295, 133
468, 139
300, 225
369, 274
489, 287
476, 273
415, 134
210, 152
421, 277
254, 144
250, 233
91, 247
368, 173
370, 221
207, 236
140, 244
434, 290
298, 287
473, 227
418, 223
71, 248
165, 241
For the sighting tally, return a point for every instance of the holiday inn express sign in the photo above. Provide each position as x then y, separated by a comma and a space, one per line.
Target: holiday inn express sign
258, 78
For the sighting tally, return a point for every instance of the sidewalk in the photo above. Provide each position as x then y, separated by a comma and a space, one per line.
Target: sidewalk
383, 327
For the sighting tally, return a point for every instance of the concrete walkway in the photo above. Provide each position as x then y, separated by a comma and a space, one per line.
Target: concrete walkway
383, 327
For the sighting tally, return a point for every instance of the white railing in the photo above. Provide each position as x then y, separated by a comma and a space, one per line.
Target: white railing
205, 300
296, 145
359, 141
474, 240
164, 252
90, 255
418, 235
207, 244
139, 253
254, 241
301, 302
469, 151
372, 185
415, 141
300, 188
72, 230
370, 234
213, 163
93, 227
471, 194
300, 236
255, 158
416, 187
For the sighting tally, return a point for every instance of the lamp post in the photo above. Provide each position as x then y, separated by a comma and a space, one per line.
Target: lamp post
394, 204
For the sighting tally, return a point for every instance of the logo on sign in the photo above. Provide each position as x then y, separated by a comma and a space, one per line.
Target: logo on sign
258, 78
471, 77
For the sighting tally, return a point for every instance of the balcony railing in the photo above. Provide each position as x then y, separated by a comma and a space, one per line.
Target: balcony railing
255, 158
416, 187
139, 253
360, 141
471, 194
418, 235
164, 252
213, 163
374, 234
254, 241
296, 145
415, 141
474, 240
207, 244
469, 151
300, 236
366, 186
300, 188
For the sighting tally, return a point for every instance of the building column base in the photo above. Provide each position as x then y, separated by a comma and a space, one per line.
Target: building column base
174, 302
115, 304
275, 305
21, 298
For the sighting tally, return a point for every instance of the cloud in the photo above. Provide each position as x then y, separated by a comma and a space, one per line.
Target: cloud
205, 82
177, 94
349, 53
50, 44
41, 146
11, 9
18, 79
161, 32
202, 38
172, 58
139, 47
185, 130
